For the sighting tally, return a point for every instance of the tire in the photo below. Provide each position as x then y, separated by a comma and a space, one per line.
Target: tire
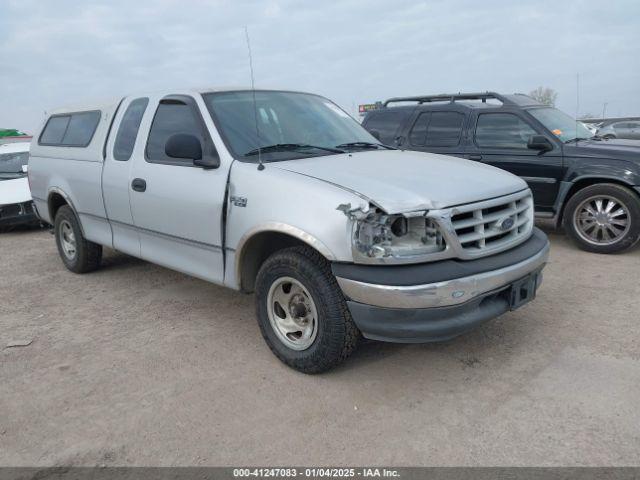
335, 335
87, 255
576, 216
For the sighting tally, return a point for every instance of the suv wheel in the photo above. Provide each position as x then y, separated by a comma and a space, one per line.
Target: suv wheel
302, 313
77, 253
603, 218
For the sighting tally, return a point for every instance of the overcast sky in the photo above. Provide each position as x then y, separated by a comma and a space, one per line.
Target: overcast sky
54, 53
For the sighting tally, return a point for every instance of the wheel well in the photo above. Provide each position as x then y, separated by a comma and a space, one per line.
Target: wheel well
587, 182
55, 202
256, 250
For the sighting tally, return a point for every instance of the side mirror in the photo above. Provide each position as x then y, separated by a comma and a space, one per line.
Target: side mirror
183, 145
207, 162
539, 142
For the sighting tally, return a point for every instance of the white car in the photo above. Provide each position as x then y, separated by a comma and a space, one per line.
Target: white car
16, 205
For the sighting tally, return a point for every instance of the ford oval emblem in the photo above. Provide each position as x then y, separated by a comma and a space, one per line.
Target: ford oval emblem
506, 224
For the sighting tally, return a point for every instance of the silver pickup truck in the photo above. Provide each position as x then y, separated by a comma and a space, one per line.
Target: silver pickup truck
284, 194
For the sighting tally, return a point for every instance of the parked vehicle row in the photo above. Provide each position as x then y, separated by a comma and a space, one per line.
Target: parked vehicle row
587, 184
285, 195
629, 129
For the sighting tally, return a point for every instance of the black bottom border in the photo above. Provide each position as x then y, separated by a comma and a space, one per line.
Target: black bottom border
407, 473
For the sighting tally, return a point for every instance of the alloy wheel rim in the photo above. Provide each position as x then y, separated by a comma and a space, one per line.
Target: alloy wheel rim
67, 240
602, 220
292, 313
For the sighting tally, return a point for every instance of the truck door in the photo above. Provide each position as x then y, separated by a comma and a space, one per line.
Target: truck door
177, 207
122, 144
500, 139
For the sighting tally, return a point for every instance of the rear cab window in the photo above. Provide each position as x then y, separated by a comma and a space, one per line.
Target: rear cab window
70, 130
128, 130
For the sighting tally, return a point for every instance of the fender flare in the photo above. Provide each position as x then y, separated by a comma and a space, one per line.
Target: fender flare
63, 194
278, 227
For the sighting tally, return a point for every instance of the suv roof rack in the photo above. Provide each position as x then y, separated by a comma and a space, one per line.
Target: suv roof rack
452, 97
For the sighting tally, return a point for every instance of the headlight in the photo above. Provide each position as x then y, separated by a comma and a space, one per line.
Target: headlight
382, 238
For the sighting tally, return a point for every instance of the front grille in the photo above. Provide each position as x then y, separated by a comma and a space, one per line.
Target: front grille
493, 224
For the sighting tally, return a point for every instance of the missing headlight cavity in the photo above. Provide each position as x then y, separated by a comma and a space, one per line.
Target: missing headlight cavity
400, 227
379, 235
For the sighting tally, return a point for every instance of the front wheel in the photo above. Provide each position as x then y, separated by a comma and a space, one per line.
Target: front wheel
302, 313
603, 218
77, 253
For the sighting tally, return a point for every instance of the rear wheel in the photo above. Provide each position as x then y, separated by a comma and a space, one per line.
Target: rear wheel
77, 253
603, 218
302, 313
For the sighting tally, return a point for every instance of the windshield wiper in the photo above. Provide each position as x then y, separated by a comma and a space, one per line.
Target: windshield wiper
284, 147
364, 145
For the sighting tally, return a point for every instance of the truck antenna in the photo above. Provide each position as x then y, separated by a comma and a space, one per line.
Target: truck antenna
577, 101
255, 106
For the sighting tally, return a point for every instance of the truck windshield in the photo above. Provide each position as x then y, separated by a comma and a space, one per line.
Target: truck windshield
289, 125
561, 124
11, 163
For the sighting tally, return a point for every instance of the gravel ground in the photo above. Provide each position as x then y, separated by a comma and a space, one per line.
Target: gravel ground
139, 365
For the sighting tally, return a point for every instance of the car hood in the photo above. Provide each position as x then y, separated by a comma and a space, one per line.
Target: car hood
403, 181
15, 190
613, 149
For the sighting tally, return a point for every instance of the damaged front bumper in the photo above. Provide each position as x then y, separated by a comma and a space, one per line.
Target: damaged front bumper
440, 300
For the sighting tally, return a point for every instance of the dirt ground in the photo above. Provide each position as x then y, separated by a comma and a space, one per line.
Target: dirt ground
139, 365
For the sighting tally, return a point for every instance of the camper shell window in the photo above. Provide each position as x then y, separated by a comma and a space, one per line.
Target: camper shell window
70, 129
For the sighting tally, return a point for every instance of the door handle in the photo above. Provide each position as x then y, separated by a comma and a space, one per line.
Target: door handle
475, 156
139, 185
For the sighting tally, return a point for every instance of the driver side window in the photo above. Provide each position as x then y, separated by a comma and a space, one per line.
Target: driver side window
502, 130
172, 117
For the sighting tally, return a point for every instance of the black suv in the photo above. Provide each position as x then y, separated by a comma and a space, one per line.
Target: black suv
589, 185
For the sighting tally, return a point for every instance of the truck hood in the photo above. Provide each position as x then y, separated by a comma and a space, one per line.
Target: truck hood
403, 181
